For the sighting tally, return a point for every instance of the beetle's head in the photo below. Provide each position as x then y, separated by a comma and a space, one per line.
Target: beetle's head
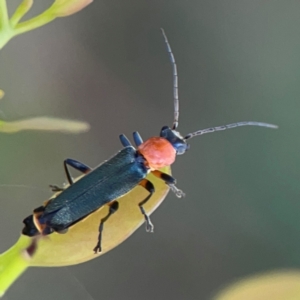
174, 137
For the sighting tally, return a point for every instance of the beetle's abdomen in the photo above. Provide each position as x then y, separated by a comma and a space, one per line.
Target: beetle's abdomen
158, 152
33, 226
29, 228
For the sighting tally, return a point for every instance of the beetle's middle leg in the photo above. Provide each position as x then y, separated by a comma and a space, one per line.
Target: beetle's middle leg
79, 166
145, 183
113, 207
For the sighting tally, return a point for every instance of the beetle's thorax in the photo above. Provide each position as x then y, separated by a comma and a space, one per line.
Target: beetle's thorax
158, 152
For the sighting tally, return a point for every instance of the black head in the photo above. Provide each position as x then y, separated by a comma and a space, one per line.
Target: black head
174, 137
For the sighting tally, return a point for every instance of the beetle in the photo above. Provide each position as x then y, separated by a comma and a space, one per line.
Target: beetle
117, 176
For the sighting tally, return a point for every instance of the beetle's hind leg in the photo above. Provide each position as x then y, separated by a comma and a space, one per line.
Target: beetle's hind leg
113, 207
145, 183
170, 181
79, 166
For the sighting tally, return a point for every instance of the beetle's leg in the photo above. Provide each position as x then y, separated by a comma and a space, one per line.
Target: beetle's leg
62, 231
170, 181
137, 138
113, 207
55, 188
145, 183
124, 140
79, 166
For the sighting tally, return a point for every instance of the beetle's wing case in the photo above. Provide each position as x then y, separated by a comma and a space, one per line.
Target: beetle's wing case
109, 181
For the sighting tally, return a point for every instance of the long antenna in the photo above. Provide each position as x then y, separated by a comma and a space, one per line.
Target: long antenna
175, 82
229, 126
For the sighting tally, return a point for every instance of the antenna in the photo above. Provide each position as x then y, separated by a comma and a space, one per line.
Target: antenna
229, 126
175, 81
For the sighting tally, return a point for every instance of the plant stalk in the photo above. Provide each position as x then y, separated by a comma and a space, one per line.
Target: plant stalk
4, 19
34, 23
6, 32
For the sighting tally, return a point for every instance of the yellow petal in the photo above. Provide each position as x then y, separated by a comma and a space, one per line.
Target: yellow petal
284, 285
63, 8
1, 94
45, 124
76, 246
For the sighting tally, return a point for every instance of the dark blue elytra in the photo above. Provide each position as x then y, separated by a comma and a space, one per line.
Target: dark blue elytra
112, 179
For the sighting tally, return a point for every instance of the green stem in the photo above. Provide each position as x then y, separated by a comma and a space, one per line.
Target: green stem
34, 23
20, 12
5, 37
15, 261
6, 32
4, 20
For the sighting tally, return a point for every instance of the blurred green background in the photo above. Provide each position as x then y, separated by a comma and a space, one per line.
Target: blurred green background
108, 65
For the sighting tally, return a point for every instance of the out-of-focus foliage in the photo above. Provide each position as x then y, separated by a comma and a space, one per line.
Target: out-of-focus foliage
10, 27
63, 8
284, 285
44, 124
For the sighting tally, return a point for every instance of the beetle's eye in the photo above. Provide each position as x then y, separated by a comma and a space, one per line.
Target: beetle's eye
180, 151
181, 148
165, 131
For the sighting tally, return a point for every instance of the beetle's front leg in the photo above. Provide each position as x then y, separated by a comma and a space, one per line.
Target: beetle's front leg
113, 207
170, 181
